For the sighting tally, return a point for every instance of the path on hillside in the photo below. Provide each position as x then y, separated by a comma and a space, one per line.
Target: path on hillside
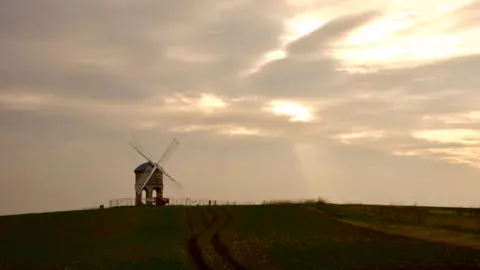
193, 246
210, 232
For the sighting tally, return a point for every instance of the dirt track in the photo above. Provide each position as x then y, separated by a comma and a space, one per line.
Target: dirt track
193, 247
220, 219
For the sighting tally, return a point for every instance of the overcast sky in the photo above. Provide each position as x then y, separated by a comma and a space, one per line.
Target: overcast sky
368, 101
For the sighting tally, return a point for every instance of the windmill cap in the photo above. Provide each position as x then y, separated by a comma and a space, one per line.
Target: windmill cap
142, 167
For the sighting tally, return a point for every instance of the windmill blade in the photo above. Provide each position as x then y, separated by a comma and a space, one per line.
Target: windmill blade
169, 151
140, 152
141, 180
171, 178
147, 174
144, 179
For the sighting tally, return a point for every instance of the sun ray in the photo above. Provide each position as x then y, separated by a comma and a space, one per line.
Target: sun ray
314, 169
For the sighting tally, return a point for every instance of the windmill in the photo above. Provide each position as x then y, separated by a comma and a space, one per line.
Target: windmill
150, 175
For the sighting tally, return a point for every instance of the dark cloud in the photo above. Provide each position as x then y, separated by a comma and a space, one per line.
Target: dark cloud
292, 77
118, 51
50, 19
55, 127
233, 34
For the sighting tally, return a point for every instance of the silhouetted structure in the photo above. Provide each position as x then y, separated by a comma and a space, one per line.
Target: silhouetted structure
155, 184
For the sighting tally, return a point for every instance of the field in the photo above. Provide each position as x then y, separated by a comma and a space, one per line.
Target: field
276, 236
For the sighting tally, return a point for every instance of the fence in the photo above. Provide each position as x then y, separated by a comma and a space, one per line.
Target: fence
178, 201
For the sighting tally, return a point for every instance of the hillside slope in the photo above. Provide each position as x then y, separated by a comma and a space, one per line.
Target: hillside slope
241, 237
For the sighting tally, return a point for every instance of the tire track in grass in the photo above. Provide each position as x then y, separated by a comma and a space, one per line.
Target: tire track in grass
193, 247
218, 244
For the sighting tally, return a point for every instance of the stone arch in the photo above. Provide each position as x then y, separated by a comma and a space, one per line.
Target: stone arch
154, 195
158, 190
143, 196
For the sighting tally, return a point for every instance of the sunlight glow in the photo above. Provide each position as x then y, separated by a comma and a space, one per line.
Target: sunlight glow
191, 128
295, 28
315, 165
460, 118
230, 130
418, 33
265, 59
207, 103
347, 138
297, 112
461, 136
240, 131
399, 53
410, 33
146, 125
210, 102
302, 25
309, 165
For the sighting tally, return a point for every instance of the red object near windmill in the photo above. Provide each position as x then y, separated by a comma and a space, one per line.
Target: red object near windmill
161, 201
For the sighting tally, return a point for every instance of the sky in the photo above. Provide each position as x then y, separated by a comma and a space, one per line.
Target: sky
368, 101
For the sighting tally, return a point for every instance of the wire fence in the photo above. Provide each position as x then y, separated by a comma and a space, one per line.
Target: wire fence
176, 201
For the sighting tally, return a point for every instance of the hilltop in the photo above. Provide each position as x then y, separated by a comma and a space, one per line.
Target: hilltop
276, 236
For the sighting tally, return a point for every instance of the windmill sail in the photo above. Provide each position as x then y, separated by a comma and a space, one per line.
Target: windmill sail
171, 178
141, 153
168, 152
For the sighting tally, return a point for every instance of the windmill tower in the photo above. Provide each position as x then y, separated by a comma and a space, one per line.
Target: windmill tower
155, 184
149, 176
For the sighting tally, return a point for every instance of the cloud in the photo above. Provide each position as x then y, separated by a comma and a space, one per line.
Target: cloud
328, 33
127, 51
427, 78
467, 14
17, 101
232, 34
461, 136
285, 78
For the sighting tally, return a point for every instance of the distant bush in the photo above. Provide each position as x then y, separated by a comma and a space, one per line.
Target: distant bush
302, 201
321, 200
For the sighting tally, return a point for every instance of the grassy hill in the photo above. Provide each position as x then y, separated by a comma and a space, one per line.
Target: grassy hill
277, 236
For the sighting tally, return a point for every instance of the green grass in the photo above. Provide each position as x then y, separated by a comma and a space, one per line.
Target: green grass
119, 238
445, 218
277, 236
296, 238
